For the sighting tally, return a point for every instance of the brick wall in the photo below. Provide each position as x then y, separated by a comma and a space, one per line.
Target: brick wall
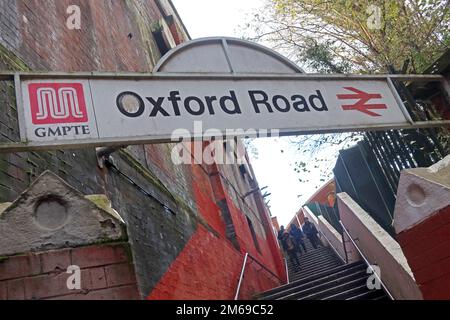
422, 224
106, 273
116, 36
210, 281
427, 248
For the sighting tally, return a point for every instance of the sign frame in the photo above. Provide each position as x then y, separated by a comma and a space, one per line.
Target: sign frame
24, 145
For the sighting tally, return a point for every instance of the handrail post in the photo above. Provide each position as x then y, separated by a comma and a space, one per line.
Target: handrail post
287, 270
241, 276
344, 245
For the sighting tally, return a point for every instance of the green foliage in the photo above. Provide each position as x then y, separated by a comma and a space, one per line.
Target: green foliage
356, 36
351, 36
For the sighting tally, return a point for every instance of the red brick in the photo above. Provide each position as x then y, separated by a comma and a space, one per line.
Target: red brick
120, 274
45, 286
94, 256
440, 252
419, 231
3, 290
443, 233
444, 215
406, 237
437, 289
433, 271
16, 289
19, 266
58, 260
93, 279
430, 224
421, 248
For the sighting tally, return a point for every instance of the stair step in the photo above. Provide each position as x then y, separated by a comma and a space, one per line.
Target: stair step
331, 283
309, 271
314, 277
318, 262
315, 252
369, 295
324, 276
383, 297
337, 289
349, 293
311, 266
285, 290
329, 270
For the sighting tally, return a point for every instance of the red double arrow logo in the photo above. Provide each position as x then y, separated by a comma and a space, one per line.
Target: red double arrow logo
362, 105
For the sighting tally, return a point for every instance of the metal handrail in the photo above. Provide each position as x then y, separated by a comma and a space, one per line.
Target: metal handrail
244, 265
334, 249
287, 270
265, 268
367, 261
241, 277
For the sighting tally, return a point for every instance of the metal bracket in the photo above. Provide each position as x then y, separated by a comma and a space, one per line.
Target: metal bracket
103, 155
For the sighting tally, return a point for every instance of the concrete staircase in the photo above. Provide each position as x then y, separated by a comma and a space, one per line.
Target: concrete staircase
323, 276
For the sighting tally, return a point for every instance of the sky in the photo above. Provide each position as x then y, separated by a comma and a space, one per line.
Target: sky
207, 18
273, 164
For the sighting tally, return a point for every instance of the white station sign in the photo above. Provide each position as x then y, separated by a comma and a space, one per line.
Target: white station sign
134, 111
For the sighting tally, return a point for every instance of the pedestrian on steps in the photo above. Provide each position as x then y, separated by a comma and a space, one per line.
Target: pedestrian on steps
298, 235
281, 238
292, 249
311, 232
280, 233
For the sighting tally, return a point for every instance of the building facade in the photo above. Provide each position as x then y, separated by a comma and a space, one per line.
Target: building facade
185, 229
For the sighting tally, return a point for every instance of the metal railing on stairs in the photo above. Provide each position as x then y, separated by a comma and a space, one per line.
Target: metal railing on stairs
287, 270
248, 257
334, 249
366, 261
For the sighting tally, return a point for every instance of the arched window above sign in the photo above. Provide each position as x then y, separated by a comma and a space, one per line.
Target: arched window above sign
225, 55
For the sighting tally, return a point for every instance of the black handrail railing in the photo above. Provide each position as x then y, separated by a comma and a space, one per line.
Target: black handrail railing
244, 265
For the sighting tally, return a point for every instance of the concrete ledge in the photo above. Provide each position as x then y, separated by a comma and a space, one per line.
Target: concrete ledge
51, 214
332, 236
379, 248
421, 193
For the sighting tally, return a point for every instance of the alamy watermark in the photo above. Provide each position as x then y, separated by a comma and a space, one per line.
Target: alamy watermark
373, 281
217, 146
74, 280
374, 21
73, 21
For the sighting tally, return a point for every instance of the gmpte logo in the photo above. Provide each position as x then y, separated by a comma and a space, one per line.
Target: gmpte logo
57, 103
58, 110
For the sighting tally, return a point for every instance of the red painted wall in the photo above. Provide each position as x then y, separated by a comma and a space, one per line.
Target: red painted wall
209, 268
246, 241
426, 247
205, 201
120, 44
